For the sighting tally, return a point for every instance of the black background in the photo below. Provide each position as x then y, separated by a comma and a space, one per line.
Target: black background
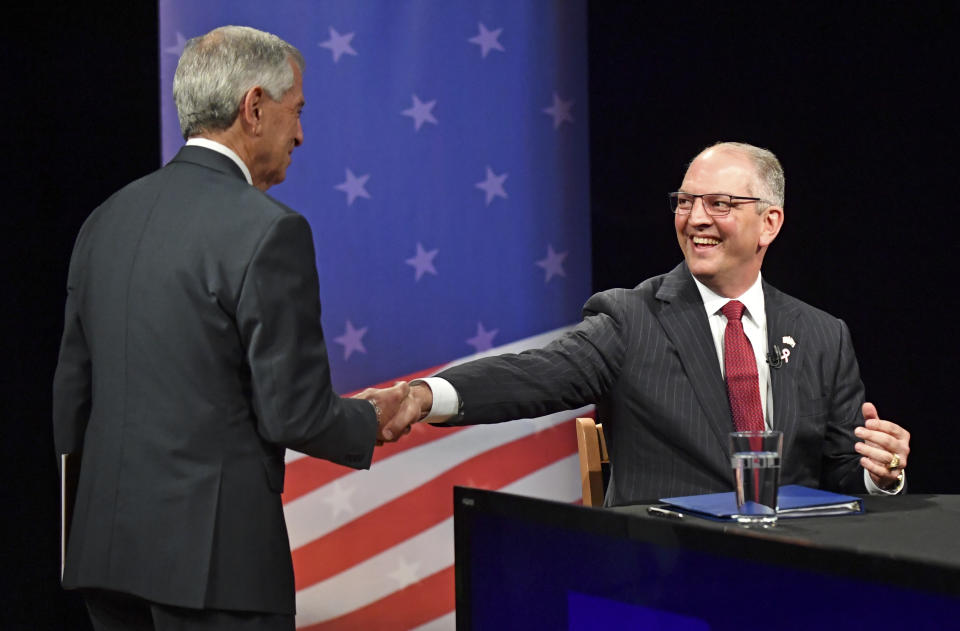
855, 98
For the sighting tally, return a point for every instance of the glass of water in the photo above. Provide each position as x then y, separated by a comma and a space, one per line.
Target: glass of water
755, 458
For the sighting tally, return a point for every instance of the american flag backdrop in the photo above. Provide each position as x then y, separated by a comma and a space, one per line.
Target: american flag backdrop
445, 175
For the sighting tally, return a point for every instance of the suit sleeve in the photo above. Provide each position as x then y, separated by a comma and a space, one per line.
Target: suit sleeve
572, 371
72, 385
841, 464
278, 316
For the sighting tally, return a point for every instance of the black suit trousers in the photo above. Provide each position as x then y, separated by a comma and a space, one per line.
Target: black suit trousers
116, 611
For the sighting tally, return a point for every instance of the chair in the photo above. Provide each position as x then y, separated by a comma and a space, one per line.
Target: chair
592, 447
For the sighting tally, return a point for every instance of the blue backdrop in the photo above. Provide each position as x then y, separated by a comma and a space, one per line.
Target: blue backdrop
444, 169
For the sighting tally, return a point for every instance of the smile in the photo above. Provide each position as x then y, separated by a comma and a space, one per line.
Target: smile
705, 241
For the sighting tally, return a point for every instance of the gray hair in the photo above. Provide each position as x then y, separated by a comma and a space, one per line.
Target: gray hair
217, 69
770, 180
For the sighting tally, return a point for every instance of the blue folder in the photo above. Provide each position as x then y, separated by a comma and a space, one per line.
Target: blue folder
793, 500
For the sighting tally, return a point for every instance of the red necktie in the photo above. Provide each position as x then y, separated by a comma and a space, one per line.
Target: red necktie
740, 365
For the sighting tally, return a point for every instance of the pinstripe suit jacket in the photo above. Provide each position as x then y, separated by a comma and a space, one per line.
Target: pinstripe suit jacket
646, 357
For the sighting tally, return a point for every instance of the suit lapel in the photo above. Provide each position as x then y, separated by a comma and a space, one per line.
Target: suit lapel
682, 316
783, 321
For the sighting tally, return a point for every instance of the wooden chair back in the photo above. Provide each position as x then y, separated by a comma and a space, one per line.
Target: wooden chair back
592, 447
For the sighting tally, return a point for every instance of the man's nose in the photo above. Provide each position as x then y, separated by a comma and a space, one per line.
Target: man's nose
700, 216
298, 139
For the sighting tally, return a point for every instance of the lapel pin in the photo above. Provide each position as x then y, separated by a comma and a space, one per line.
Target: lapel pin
789, 340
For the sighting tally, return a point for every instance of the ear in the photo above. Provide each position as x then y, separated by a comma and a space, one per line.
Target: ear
251, 110
771, 220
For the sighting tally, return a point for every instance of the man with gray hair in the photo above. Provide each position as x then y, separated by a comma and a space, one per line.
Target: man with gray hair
192, 356
656, 359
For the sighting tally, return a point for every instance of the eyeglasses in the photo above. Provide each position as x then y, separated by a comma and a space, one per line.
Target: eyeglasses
715, 204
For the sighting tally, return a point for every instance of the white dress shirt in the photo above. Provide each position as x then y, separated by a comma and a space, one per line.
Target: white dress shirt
225, 150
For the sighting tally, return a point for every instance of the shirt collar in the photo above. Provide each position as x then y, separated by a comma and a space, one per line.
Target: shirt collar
225, 150
752, 299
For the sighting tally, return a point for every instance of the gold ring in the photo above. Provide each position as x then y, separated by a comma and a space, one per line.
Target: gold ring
894, 462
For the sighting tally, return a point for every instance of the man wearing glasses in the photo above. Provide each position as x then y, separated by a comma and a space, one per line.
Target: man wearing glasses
652, 359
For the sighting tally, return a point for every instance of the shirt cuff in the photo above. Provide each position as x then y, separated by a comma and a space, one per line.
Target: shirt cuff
446, 401
873, 489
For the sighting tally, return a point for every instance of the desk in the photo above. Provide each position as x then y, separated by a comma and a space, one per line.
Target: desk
911, 528
528, 563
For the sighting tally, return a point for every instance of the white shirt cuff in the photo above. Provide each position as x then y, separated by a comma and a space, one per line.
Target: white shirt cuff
873, 489
446, 401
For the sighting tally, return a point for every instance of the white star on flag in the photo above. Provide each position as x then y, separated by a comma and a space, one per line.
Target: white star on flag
560, 110
420, 112
354, 187
483, 340
493, 185
405, 574
352, 340
177, 49
422, 261
339, 500
339, 44
487, 40
553, 264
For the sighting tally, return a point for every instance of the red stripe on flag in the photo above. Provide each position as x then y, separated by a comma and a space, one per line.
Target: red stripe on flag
429, 504
306, 474
410, 607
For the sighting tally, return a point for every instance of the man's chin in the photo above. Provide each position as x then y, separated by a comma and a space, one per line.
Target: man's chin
703, 271
706, 279
700, 264
277, 178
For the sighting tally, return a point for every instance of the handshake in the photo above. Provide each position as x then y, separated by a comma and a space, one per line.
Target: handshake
398, 407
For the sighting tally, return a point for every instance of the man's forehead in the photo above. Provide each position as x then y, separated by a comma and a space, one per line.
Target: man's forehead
720, 157
721, 165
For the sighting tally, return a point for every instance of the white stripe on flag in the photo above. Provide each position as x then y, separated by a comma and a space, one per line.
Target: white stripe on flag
536, 341
420, 556
332, 505
443, 623
423, 555
559, 481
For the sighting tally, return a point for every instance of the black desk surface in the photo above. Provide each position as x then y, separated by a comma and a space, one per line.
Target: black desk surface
903, 551
919, 528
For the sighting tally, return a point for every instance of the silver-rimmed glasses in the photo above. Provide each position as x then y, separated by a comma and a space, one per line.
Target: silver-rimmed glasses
715, 204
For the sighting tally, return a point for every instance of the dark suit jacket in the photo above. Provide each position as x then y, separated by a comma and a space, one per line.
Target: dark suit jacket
646, 356
192, 355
